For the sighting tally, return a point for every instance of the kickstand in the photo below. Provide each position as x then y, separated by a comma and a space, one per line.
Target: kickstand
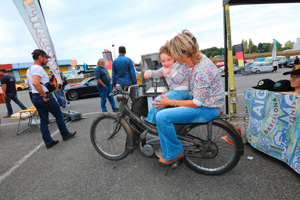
166, 172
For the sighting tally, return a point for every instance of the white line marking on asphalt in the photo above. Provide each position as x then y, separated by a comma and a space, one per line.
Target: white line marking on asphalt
22, 160
31, 153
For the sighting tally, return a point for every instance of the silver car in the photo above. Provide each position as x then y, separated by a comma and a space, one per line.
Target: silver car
258, 67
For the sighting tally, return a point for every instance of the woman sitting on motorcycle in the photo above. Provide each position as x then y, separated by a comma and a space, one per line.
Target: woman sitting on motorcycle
204, 104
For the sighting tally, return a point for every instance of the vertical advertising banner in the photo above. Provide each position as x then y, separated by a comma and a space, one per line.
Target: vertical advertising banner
33, 17
239, 52
274, 50
108, 60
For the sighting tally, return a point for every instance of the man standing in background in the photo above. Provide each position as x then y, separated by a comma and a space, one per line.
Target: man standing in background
104, 86
10, 93
123, 72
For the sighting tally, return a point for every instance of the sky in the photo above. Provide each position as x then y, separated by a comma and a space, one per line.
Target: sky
81, 30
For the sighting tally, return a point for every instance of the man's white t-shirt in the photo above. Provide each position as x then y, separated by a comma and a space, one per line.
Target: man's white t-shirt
37, 70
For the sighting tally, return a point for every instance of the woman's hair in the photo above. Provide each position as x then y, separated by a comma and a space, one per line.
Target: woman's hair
185, 43
164, 50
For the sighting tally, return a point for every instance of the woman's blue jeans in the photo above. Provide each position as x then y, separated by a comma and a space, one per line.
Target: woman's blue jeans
170, 145
43, 109
173, 95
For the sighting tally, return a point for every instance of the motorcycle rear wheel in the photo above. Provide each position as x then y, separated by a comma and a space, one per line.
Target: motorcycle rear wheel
220, 153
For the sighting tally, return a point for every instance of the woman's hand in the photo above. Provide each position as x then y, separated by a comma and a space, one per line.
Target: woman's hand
146, 74
162, 102
167, 71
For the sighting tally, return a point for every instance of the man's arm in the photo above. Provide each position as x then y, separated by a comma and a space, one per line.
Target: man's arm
37, 85
132, 73
100, 82
113, 75
4, 89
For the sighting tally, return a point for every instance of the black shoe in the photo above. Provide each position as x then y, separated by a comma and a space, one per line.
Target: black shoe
148, 123
50, 145
69, 136
117, 110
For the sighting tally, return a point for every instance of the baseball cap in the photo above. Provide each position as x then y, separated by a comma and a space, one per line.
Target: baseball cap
282, 86
295, 71
264, 84
38, 52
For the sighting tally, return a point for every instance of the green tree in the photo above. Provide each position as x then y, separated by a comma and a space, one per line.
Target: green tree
279, 46
288, 45
270, 48
250, 45
254, 49
245, 44
260, 47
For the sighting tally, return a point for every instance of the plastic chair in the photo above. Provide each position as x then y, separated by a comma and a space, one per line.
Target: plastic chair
30, 114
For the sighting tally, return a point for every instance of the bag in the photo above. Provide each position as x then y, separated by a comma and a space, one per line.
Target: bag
50, 86
2, 98
64, 79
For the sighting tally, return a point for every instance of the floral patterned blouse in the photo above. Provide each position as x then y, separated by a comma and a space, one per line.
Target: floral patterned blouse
206, 84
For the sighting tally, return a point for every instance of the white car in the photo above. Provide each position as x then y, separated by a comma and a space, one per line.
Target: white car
258, 67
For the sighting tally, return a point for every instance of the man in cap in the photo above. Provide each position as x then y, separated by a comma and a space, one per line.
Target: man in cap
295, 78
44, 101
10, 93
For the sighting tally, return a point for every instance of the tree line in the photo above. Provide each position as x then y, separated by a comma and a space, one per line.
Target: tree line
249, 48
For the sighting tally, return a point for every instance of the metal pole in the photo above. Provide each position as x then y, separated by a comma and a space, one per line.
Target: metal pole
114, 51
226, 66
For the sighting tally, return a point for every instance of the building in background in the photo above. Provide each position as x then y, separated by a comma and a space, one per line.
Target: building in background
296, 45
18, 70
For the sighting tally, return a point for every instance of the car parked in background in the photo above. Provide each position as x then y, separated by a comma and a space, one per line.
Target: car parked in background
22, 86
258, 67
236, 70
80, 83
86, 89
290, 63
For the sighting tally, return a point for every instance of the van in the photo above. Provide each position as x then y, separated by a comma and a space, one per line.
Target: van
282, 61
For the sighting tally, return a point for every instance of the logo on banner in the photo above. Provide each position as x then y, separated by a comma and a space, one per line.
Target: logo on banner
265, 144
255, 127
258, 105
280, 140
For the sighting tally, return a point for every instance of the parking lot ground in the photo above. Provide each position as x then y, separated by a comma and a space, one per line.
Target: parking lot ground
74, 170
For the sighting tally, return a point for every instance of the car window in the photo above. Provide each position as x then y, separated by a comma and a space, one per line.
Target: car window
93, 83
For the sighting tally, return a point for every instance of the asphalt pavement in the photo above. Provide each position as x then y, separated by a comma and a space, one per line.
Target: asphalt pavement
74, 170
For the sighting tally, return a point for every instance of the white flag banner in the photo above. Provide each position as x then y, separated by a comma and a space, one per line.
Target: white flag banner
274, 50
33, 17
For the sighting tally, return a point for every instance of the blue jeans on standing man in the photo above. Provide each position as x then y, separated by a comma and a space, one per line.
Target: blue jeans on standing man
104, 94
173, 95
170, 145
13, 97
43, 109
60, 97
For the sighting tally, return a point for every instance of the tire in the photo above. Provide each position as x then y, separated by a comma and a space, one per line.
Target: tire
117, 147
244, 72
73, 95
219, 155
257, 71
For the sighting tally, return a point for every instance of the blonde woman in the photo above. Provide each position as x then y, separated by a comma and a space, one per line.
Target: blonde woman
204, 104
